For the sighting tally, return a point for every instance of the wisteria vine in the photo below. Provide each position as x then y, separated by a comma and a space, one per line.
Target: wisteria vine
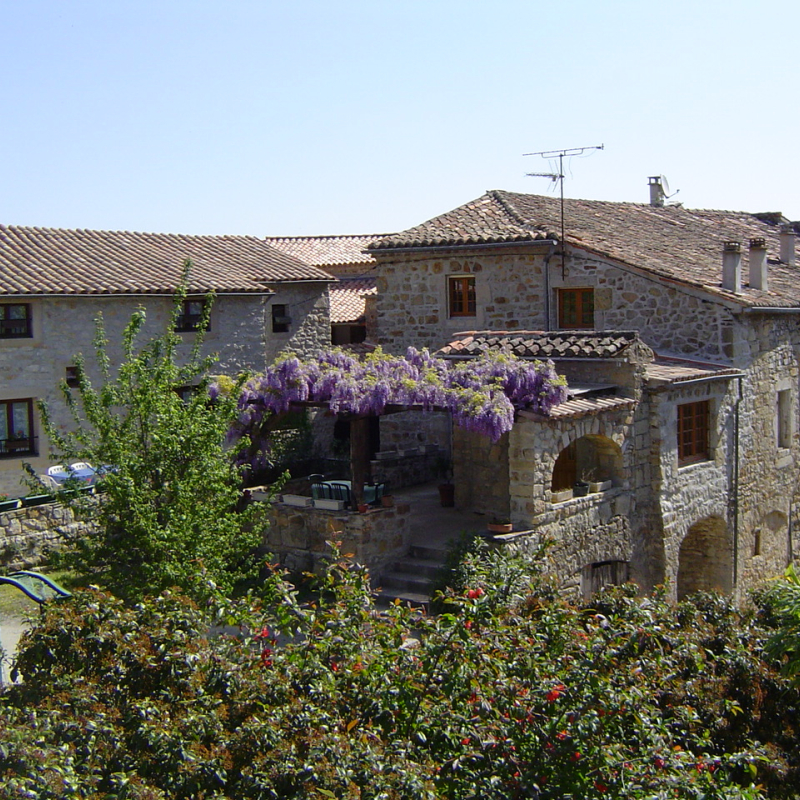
482, 394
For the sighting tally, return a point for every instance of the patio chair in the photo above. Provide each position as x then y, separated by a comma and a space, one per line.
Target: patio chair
59, 472
380, 491
49, 483
341, 491
320, 490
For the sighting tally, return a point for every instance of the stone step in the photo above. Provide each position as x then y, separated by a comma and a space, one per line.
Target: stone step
385, 597
406, 581
438, 555
419, 566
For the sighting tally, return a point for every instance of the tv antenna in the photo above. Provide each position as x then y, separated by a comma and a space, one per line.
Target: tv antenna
567, 152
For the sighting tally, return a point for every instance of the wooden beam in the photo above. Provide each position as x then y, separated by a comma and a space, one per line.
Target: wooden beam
359, 457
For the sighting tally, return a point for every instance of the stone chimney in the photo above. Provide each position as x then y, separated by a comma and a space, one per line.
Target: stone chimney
657, 195
758, 264
732, 267
787, 244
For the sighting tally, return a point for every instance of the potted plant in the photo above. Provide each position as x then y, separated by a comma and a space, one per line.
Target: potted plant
447, 491
7, 504
580, 488
500, 525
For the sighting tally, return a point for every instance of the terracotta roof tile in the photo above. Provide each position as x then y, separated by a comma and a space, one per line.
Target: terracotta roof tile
668, 370
328, 251
59, 261
674, 242
347, 298
541, 344
581, 407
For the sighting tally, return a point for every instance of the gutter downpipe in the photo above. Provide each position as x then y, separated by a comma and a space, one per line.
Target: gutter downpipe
547, 285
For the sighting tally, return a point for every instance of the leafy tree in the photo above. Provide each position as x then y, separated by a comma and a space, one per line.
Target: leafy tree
169, 514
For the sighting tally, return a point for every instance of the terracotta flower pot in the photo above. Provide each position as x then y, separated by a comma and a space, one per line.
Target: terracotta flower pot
499, 527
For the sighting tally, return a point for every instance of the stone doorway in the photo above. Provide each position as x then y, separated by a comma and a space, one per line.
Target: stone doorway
705, 562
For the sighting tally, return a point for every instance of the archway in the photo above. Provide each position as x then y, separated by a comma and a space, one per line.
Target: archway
591, 458
705, 562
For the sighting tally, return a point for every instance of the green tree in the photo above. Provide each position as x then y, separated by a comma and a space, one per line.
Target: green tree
170, 513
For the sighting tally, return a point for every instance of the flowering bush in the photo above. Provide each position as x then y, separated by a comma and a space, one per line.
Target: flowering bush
525, 696
481, 394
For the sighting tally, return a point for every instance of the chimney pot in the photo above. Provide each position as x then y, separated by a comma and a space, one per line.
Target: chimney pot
786, 237
732, 267
758, 264
656, 191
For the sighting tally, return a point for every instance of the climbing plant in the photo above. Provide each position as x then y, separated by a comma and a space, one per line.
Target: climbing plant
482, 394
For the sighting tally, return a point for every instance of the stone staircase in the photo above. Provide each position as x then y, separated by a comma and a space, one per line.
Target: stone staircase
410, 579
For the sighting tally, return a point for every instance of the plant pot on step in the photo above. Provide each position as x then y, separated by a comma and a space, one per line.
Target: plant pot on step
499, 527
447, 495
580, 489
387, 501
363, 508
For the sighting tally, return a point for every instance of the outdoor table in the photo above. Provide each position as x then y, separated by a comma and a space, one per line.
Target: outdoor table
84, 473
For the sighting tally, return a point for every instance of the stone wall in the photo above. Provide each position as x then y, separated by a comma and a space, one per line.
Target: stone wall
517, 289
298, 536
27, 534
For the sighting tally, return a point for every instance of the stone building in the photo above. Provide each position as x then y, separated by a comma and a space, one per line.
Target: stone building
678, 332
54, 283
354, 294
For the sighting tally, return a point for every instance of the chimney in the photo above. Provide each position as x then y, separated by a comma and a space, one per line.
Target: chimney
732, 267
656, 191
787, 244
758, 264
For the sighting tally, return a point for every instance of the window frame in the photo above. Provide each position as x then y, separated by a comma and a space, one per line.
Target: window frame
189, 321
783, 419
7, 323
29, 446
580, 294
463, 303
694, 432
281, 321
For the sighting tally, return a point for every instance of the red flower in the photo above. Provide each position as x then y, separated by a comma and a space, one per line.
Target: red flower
465, 740
659, 762
474, 594
334, 666
576, 756
562, 735
266, 660
601, 787
262, 634
555, 692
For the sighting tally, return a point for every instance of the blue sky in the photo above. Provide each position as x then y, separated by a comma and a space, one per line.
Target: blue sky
318, 117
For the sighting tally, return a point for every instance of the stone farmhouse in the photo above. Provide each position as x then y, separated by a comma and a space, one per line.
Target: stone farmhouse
675, 460
54, 283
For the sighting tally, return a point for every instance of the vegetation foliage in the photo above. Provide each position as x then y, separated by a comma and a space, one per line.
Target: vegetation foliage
482, 394
510, 693
171, 511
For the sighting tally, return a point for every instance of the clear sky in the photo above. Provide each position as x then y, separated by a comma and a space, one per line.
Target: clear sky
367, 116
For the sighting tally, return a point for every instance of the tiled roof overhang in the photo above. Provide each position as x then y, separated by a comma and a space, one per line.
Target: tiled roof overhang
541, 344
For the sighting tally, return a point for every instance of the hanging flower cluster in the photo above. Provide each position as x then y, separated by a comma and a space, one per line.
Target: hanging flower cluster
482, 394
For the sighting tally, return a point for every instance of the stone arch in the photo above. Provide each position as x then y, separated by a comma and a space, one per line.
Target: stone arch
705, 562
591, 458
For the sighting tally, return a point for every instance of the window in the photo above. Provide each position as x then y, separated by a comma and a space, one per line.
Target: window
576, 308
693, 432
16, 427
71, 377
280, 321
15, 321
191, 316
783, 419
462, 296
